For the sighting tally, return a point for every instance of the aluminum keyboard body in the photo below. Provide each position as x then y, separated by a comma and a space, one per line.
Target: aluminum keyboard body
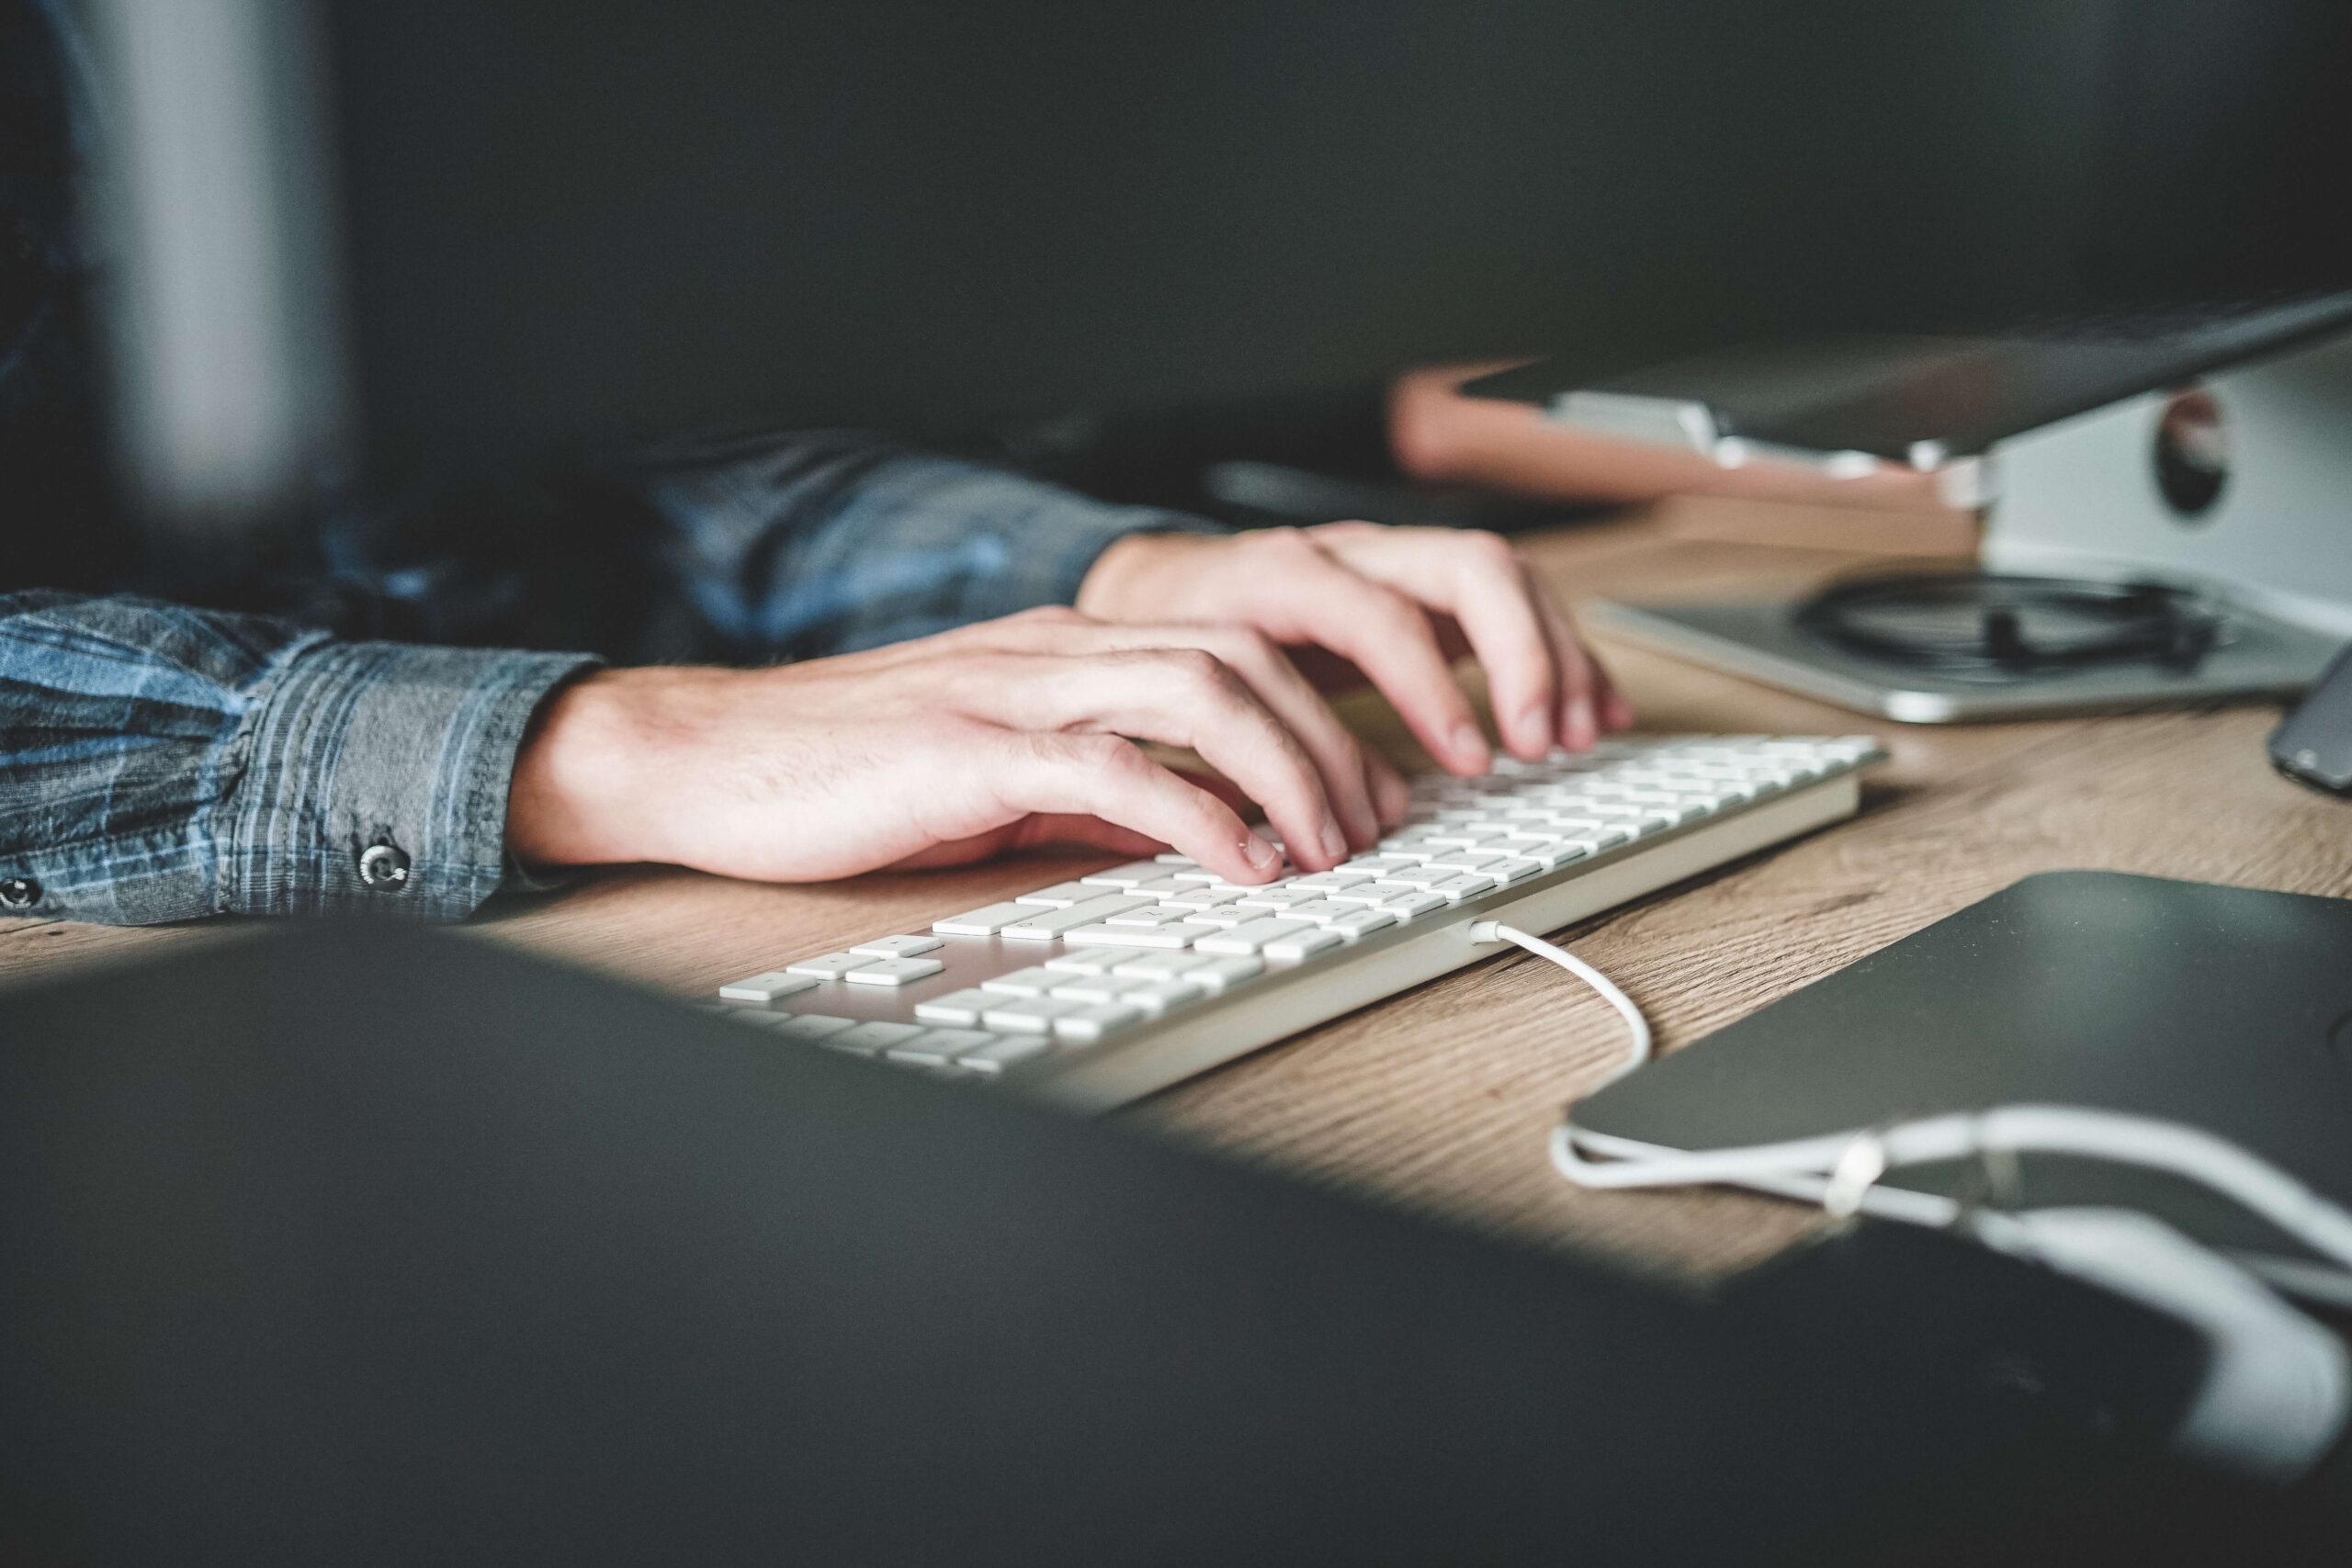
1102, 989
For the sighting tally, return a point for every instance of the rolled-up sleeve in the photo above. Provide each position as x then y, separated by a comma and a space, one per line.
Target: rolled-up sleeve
159, 762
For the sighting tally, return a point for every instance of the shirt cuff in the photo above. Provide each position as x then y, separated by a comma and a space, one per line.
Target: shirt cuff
1080, 531
373, 780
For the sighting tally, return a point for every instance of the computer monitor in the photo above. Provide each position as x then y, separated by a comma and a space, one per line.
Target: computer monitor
448, 229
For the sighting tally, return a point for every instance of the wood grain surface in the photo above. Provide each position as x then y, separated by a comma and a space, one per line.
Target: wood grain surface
1440, 1099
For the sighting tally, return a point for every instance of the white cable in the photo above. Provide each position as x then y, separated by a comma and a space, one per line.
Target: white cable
2195, 1155
1490, 931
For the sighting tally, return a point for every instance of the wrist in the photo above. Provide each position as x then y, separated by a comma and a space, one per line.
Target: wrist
1116, 587
594, 761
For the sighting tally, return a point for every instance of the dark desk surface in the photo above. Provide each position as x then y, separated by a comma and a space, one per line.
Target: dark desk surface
1440, 1099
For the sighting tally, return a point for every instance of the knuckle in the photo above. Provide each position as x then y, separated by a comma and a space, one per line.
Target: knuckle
1488, 550
1197, 670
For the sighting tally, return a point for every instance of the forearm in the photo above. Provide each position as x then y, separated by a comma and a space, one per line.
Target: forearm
160, 764
811, 543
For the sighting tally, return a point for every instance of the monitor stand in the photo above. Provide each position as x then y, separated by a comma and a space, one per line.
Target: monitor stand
2239, 487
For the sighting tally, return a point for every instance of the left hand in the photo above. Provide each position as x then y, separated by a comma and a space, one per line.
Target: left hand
1397, 605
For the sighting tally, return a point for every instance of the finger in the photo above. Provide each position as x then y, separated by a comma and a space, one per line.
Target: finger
1579, 720
1479, 580
1610, 709
1276, 682
1179, 697
1042, 829
1389, 637
1390, 797
1106, 777
1337, 756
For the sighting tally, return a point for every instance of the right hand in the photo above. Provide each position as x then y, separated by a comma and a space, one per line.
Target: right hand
949, 748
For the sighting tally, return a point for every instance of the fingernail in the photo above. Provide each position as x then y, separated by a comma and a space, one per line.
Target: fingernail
1470, 747
1534, 734
1335, 842
1261, 855
1580, 726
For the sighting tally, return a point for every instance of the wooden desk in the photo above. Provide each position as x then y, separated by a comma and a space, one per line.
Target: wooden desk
1440, 1099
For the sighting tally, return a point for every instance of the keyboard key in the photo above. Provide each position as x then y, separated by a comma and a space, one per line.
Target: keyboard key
867, 1038
1132, 875
1331, 881
1424, 876
811, 1025
1045, 925
1302, 944
1281, 897
898, 946
1026, 1015
1200, 898
1224, 973
1004, 1054
1164, 887
1085, 961
894, 972
1150, 915
1085, 1025
833, 965
1465, 860
937, 1047
1374, 866
1554, 855
1508, 869
1034, 981
1162, 965
1364, 894
1251, 936
1153, 998
1356, 922
1412, 904
956, 1007
1060, 895
983, 922
1170, 937
1229, 914
1322, 911
1090, 988
761, 989
1468, 885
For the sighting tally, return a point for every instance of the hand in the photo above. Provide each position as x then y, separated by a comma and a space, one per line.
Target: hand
1398, 605
948, 749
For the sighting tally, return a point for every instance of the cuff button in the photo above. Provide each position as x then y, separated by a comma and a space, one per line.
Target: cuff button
383, 867
18, 893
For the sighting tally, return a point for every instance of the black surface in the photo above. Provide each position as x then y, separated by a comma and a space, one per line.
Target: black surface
2221, 1006
573, 219
581, 219
2313, 744
372, 1246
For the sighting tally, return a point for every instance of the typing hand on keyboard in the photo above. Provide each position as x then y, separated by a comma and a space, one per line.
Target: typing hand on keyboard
995, 737
1393, 606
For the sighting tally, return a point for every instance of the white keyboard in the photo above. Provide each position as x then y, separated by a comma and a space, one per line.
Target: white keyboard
1099, 989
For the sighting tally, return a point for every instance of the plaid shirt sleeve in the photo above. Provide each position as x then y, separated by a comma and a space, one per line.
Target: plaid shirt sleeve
160, 764
821, 542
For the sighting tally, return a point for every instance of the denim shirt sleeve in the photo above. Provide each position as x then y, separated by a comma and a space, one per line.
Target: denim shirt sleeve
813, 543
161, 763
